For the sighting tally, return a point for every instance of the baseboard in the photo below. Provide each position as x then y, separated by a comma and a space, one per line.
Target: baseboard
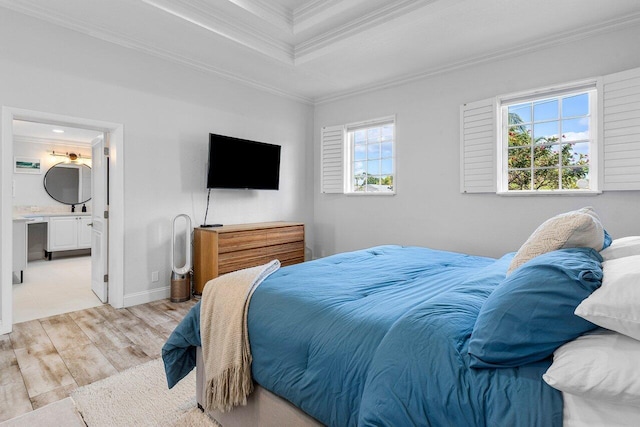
147, 296
4, 329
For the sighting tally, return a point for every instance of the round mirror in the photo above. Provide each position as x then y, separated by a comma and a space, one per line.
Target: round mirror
69, 183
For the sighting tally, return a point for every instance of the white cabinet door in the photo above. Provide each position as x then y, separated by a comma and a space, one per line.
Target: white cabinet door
84, 232
63, 233
19, 246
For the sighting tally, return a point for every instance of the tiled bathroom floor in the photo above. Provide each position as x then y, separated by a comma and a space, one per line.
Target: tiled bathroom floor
54, 287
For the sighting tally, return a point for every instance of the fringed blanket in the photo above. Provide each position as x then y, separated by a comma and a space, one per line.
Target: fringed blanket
225, 338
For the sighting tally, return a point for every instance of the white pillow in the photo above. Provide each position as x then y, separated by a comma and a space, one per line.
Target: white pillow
622, 247
616, 304
600, 365
575, 229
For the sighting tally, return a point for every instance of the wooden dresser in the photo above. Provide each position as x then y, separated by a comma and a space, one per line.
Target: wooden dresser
224, 249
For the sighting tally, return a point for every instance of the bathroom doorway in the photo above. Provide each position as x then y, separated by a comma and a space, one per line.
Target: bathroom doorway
112, 240
55, 200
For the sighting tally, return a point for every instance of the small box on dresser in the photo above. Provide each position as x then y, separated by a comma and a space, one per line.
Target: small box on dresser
220, 250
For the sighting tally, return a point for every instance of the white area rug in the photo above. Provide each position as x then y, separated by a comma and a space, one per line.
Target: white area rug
140, 397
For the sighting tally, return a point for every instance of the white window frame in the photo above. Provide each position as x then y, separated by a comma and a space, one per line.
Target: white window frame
350, 154
337, 157
594, 88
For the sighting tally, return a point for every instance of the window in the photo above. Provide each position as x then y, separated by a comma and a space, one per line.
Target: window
575, 138
548, 142
371, 158
359, 158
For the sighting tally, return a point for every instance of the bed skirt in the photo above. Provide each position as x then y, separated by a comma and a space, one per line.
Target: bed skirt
263, 409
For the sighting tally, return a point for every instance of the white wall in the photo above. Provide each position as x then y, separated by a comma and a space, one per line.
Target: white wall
168, 111
428, 209
29, 188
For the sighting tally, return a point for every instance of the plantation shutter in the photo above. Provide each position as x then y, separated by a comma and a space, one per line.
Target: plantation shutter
621, 123
478, 142
332, 168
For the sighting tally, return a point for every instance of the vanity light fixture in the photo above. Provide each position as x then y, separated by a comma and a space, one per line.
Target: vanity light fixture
70, 156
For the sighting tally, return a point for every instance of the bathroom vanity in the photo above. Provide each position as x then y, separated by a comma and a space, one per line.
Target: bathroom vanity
65, 233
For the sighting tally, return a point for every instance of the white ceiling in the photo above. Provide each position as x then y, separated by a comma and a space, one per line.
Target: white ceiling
25, 131
317, 50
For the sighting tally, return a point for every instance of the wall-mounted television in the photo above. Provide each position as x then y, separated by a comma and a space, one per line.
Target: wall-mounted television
241, 163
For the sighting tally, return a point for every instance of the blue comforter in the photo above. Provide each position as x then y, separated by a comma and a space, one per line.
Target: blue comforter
379, 337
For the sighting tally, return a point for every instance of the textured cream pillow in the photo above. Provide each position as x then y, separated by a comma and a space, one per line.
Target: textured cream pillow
575, 229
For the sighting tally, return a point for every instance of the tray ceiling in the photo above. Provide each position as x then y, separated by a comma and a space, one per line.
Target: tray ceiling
316, 50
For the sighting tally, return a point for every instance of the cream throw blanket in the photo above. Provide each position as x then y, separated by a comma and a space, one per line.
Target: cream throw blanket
225, 338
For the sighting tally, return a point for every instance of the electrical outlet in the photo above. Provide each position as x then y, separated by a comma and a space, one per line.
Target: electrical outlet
154, 276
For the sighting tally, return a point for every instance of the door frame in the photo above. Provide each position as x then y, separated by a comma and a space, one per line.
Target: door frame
116, 203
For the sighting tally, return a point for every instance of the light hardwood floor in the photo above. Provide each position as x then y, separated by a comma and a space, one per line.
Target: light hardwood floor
44, 360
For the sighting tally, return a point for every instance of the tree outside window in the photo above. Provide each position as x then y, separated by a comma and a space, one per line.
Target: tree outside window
548, 143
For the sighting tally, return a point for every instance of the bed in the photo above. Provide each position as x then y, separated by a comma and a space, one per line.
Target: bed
395, 335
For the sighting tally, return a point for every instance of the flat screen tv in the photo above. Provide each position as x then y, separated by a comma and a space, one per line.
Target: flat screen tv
240, 163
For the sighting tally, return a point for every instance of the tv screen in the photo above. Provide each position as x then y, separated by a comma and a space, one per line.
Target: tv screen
240, 163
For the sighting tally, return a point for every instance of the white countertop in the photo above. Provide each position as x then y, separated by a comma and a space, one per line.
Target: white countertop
35, 214
39, 216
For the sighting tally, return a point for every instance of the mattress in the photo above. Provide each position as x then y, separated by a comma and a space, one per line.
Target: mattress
582, 412
263, 408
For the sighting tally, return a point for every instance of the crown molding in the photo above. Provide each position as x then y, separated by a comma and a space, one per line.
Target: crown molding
205, 16
531, 47
200, 13
312, 48
310, 11
208, 68
312, 7
277, 15
102, 33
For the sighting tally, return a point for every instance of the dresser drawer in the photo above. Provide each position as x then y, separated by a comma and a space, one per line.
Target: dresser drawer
286, 251
279, 236
240, 240
231, 261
